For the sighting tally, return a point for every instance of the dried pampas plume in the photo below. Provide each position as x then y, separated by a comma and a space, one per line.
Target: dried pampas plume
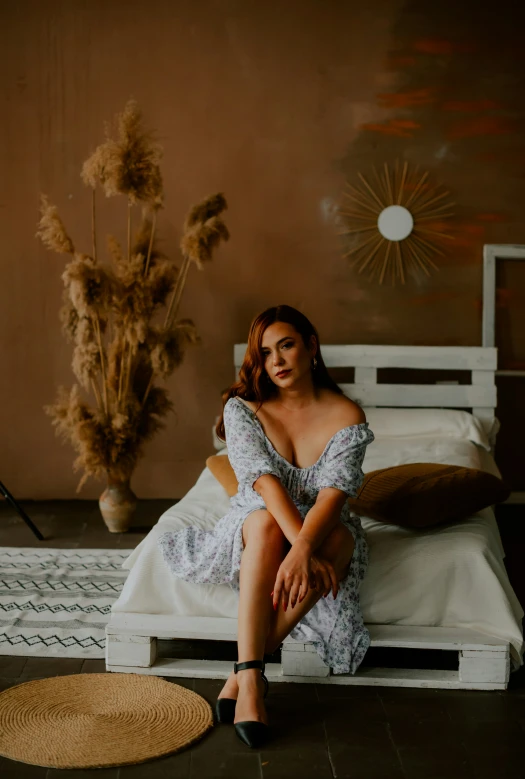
108, 310
51, 229
129, 163
204, 230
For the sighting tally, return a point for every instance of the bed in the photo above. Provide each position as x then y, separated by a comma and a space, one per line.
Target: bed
443, 587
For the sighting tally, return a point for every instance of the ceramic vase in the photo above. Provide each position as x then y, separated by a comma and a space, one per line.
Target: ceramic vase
117, 505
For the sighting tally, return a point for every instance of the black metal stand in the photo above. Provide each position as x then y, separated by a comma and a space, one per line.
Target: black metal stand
7, 495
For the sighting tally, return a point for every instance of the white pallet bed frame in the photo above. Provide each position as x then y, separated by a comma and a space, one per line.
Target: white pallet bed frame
484, 661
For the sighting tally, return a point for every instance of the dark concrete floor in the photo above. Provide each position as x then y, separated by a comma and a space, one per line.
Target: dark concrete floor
319, 731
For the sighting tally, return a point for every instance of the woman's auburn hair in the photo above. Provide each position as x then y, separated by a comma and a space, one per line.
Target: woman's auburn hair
253, 382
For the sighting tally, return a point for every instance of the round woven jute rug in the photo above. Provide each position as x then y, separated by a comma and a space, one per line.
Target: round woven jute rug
99, 720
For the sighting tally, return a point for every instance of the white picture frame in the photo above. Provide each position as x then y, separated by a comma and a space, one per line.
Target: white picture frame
492, 252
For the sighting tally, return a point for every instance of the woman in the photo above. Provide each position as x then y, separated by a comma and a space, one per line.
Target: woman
296, 444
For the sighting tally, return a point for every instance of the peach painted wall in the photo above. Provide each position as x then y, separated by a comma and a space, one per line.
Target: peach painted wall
275, 104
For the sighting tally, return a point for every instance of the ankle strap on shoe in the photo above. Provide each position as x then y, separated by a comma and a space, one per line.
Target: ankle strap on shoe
249, 664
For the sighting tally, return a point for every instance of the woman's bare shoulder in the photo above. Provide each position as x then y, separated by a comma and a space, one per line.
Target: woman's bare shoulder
349, 411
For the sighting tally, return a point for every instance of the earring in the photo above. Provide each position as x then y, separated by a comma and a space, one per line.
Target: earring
315, 363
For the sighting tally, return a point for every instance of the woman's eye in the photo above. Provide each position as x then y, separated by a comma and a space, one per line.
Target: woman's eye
289, 343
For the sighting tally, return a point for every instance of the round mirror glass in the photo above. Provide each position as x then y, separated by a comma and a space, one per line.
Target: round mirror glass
395, 223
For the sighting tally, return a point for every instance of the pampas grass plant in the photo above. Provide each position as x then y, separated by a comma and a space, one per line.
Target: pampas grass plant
123, 345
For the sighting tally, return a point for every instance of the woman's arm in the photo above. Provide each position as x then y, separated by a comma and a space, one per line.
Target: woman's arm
304, 538
280, 505
319, 521
322, 517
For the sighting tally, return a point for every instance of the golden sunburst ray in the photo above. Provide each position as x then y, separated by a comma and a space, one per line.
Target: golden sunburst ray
362, 245
398, 205
371, 255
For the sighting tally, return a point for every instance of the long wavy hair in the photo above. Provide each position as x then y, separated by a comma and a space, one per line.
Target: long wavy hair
253, 382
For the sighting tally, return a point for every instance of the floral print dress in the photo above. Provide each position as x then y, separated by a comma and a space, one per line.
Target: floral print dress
335, 627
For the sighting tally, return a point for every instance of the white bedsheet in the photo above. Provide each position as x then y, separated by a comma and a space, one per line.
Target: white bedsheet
450, 576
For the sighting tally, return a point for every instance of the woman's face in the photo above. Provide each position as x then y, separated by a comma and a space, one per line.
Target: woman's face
283, 349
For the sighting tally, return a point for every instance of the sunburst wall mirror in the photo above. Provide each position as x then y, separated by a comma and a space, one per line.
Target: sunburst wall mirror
396, 222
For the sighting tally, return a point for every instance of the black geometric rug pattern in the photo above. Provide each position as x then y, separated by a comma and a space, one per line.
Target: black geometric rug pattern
57, 602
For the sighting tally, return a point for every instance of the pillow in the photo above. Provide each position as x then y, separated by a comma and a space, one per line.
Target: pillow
412, 495
218, 443
426, 494
447, 422
220, 467
401, 422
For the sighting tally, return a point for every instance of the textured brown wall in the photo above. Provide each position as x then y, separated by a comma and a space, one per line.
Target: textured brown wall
274, 104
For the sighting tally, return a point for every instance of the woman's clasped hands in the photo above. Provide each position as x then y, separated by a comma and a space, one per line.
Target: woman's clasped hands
299, 571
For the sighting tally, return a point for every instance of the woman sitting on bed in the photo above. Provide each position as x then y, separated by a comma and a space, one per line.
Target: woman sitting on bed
289, 545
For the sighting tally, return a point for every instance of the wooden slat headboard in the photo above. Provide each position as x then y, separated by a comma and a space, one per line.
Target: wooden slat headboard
480, 396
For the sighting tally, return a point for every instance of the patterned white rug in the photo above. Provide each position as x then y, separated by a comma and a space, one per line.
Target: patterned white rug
57, 602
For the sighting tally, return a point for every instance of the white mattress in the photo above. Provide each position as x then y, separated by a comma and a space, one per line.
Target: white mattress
450, 576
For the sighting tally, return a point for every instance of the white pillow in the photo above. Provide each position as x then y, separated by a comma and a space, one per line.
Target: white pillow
439, 422
217, 443
410, 422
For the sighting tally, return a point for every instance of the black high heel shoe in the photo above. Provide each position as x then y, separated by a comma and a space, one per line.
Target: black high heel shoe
225, 710
251, 732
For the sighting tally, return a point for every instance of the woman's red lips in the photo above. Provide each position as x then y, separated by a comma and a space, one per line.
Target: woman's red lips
281, 373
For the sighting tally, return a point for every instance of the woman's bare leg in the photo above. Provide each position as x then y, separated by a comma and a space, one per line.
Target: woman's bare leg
264, 551
337, 548
256, 615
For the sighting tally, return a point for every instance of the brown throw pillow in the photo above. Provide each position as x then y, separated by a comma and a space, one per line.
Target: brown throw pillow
413, 495
220, 466
426, 494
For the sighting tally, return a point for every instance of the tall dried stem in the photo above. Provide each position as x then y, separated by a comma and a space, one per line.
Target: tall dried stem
150, 382
177, 292
96, 325
121, 372
96, 321
96, 392
124, 360
128, 372
129, 230
93, 225
151, 241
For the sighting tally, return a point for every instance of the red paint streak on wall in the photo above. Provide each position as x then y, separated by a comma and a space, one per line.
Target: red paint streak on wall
513, 156
488, 156
400, 61
432, 297
470, 106
409, 186
442, 46
435, 226
492, 218
407, 99
473, 229
468, 235
403, 128
486, 125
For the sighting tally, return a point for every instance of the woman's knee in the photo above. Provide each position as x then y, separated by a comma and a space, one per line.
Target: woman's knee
262, 525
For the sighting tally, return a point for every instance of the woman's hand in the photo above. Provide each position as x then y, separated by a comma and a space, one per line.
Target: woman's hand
323, 576
292, 580
299, 571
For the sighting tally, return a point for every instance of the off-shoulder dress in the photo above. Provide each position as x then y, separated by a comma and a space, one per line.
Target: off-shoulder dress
335, 627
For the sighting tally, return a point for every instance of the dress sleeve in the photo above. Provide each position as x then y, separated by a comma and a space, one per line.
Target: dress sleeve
248, 452
342, 466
